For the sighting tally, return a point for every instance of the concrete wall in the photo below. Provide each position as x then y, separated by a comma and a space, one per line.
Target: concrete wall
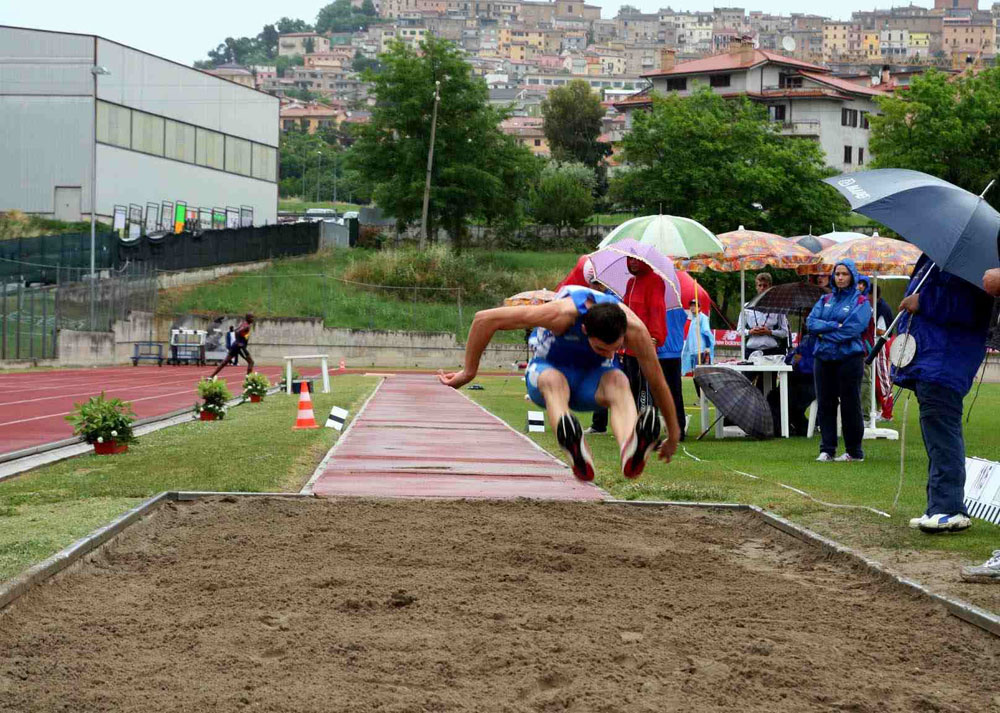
85, 348
168, 280
273, 339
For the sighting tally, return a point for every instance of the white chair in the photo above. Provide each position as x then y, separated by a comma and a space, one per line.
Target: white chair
813, 410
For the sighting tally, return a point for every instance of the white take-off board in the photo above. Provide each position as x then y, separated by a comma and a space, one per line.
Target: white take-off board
982, 489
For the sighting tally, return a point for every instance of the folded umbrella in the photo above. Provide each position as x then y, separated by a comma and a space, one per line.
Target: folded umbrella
736, 399
955, 228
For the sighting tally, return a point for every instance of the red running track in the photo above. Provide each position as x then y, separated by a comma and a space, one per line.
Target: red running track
33, 405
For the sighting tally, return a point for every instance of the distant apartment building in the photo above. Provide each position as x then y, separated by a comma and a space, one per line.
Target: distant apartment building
263, 73
894, 45
871, 45
528, 132
234, 73
301, 43
730, 18
805, 98
596, 82
969, 34
637, 27
309, 118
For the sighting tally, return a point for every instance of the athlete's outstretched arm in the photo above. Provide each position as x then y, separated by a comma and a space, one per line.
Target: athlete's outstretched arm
638, 340
557, 315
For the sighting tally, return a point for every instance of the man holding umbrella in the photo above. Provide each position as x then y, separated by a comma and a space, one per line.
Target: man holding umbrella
945, 312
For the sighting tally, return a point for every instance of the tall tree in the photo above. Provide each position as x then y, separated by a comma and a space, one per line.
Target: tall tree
342, 16
564, 195
944, 126
286, 25
721, 162
572, 125
478, 171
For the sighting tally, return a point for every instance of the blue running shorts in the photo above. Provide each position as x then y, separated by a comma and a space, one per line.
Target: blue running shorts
583, 383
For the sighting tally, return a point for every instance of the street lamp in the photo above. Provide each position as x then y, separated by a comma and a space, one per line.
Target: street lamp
430, 162
335, 179
95, 71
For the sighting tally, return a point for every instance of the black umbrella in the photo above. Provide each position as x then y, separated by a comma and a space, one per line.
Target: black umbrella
736, 399
787, 298
812, 243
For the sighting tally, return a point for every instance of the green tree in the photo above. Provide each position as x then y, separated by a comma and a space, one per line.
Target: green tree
722, 163
361, 64
478, 171
368, 8
564, 196
287, 25
309, 45
943, 126
572, 125
341, 16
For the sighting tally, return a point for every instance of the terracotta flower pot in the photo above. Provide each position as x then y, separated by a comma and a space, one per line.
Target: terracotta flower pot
110, 448
208, 416
255, 398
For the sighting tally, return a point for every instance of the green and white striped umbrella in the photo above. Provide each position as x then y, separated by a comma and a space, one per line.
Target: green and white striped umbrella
673, 236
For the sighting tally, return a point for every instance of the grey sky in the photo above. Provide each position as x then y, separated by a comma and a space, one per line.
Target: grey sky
184, 30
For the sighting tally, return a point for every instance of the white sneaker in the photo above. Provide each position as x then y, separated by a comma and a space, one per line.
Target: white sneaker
988, 571
825, 458
848, 458
591, 432
934, 524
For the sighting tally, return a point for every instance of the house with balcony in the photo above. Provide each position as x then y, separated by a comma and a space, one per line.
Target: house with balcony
805, 99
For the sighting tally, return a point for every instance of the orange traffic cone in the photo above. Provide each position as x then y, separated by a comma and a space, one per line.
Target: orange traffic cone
343, 365
305, 418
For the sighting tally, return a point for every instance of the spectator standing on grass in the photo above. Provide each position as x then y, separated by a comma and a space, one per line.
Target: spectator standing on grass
670, 361
838, 320
949, 322
801, 386
766, 332
699, 343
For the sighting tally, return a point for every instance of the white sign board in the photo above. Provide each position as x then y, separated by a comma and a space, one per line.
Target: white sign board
337, 418
982, 489
536, 422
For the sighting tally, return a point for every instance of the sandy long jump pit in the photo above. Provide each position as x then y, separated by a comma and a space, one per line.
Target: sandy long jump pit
304, 605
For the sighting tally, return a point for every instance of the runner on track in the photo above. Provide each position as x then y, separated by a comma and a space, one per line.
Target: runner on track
578, 335
239, 348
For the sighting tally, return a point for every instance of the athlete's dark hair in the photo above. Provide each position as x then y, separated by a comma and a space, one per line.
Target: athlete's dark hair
605, 321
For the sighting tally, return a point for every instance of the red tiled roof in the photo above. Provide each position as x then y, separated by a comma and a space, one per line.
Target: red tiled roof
298, 112
731, 60
844, 85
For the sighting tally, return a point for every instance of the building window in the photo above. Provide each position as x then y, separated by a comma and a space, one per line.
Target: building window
848, 150
179, 141
861, 156
776, 112
789, 81
864, 120
147, 133
677, 84
719, 80
238, 156
538, 142
114, 125
849, 117
265, 162
211, 149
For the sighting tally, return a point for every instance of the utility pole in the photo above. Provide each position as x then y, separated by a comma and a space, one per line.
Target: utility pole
335, 180
319, 171
430, 163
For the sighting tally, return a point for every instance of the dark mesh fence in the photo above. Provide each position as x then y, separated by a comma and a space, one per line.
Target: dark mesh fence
52, 259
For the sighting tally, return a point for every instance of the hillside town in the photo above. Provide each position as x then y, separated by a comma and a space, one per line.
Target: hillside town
818, 76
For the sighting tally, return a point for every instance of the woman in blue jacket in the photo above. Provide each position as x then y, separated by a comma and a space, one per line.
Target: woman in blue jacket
838, 321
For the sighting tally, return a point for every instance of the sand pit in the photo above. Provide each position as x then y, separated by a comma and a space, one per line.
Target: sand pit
302, 605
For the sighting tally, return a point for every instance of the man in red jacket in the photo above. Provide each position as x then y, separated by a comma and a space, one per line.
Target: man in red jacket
644, 295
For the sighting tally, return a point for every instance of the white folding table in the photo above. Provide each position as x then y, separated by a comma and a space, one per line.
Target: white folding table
769, 371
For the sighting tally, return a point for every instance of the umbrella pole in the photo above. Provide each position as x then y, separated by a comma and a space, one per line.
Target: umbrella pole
743, 303
874, 366
709, 428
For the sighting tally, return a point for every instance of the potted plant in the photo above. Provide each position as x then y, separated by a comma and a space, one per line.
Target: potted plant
214, 396
255, 386
105, 423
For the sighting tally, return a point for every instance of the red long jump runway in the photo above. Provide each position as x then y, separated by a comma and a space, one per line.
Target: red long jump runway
417, 438
33, 405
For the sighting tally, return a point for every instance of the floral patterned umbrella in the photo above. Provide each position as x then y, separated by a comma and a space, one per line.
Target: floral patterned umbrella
531, 297
872, 256
752, 250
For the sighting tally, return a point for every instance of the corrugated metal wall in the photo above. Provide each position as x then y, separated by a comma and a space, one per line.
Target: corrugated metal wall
46, 117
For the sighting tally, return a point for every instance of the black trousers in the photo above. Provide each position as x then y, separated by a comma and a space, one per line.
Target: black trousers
801, 393
838, 381
671, 369
640, 392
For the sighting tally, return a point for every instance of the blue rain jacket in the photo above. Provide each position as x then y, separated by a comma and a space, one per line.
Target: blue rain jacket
838, 320
673, 345
950, 328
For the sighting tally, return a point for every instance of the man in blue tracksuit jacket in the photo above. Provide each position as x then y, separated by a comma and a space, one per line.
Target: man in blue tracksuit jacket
950, 322
838, 321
